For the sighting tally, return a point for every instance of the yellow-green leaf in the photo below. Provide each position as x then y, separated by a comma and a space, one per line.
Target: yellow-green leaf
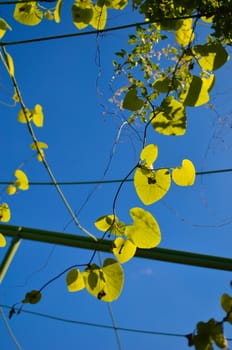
22, 118
145, 231
99, 17
149, 155
211, 56
151, 185
10, 64
22, 180
196, 93
37, 116
104, 283
58, 11
185, 35
75, 281
123, 249
82, 13
4, 212
28, 13
40, 145
116, 4
209, 81
162, 84
11, 189
171, 120
3, 27
185, 175
131, 101
226, 303
2, 241
32, 297
110, 223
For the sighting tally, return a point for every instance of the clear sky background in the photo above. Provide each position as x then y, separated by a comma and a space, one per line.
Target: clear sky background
70, 78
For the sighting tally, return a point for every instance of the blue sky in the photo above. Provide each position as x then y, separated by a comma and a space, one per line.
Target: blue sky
80, 129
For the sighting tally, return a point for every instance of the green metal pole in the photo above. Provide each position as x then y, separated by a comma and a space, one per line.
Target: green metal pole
71, 240
15, 242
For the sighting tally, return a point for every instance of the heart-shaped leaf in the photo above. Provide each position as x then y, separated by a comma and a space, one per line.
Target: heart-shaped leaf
145, 231
131, 101
151, 185
123, 249
185, 175
149, 155
75, 281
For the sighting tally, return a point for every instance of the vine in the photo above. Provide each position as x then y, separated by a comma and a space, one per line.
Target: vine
162, 82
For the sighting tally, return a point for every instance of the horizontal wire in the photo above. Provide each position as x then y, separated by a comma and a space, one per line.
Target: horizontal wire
97, 31
99, 325
94, 182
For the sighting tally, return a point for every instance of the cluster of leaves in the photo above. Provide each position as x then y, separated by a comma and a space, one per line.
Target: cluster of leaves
176, 77
211, 333
169, 11
84, 12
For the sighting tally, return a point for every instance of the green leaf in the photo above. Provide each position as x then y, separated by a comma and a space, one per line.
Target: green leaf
58, 11
196, 93
171, 120
151, 185
110, 223
226, 303
162, 84
145, 231
2, 241
28, 13
149, 155
211, 56
124, 250
116, 4
82, 13
184, 175
185, 35
75, 281
4, 212
99, 17
104, 283
3, 27
32, 297
131, 101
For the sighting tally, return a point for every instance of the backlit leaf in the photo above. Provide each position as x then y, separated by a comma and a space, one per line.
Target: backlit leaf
4, 212
10, 64
162, 84
3, 27
171, 120
82, 13
75, 281
196, 93
185, 35
123, 249
28, 13
114, 277
2, 241
226, 303
37, 116
131, 101
145, 231
151, 185
211, 56
185, 175
99, 17
21, 116
110, 223
40, 145
116, 4
32, 297
104, 283
11, 189
58, 11
149, 155
22, 180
